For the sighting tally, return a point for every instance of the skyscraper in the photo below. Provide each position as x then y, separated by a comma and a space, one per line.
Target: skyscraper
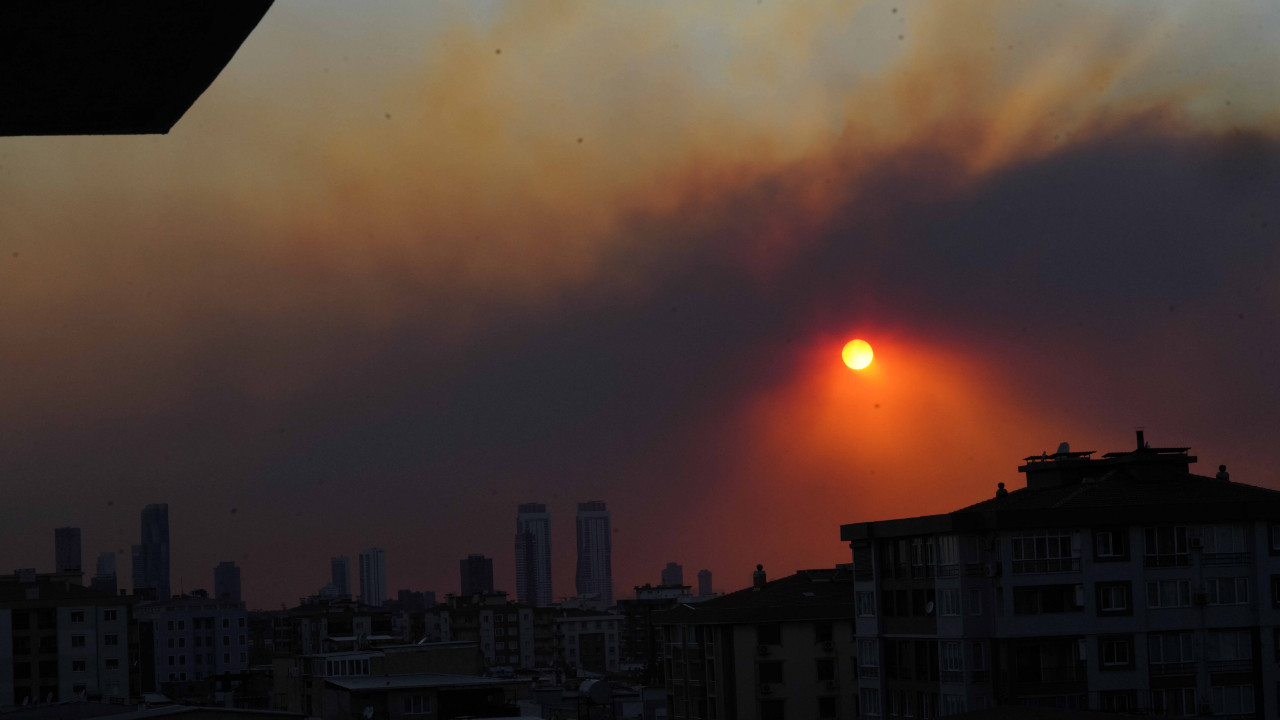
533, 555
226, 581
704, 583
477, 574
373, 577
151, 557
66, 549
340, 567
595, 551
105, 579
673, 574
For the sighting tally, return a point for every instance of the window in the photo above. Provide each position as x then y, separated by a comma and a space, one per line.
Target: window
226, 623
242, 640
1168, 594
1275, 591
170, 643
1116, 651
1111, 545
866, 602
182, 624
226, 658
822, 632
77, 666
169, 625
826, 707
172, 661
226, 640
77, 616
244, 657
1227, 591
769, 634
975, 601
1166, 546
773, 710
1171, 648
112, 664
1113, 599
417, 705
109, 615
240, 622
825, 669
1045, 552
870, 700
1229, 650
77, 641
1118, 701
770, 672
1223, 539
110, 639
1232, 699
979, 656
952, 704
952, 656
868, 659
182, 642
949, 602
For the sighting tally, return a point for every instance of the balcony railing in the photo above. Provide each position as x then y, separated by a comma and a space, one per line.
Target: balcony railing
1179, 668
865, 671
948, 571
953, 676
1168, 560
1046, 565
1241, 558
1230, 665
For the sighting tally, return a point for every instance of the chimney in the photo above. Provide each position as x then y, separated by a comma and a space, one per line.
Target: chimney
1141, 443
758, 578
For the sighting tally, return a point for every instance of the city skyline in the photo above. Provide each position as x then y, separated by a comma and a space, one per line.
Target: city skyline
533, 556
383, 282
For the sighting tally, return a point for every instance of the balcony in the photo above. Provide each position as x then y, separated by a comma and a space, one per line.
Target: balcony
1167, 669
952, 676
1046, 565
1230, 665
1226, 559
868, 672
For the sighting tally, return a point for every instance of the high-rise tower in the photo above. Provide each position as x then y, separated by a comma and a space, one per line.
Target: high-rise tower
476, 573
373, 577
66, 549
595, 551
533, 555
340, 568
151, 557
226, 581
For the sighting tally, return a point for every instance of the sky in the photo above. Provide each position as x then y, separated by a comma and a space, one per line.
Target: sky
405, 266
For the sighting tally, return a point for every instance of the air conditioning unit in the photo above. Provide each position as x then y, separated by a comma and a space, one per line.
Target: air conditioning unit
766, 689
1200, 598
1197, 543
762, 650
828, 646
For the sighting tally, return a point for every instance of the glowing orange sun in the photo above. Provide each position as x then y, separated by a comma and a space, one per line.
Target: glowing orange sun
857, 354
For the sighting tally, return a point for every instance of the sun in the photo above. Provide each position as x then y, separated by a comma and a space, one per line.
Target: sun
857, 354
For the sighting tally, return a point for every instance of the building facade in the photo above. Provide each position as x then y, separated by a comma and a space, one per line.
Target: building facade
151, 556
704, 584
781, 649
590, 641
193, 638
507, 633
373, 577
66, 549
1121, 583
533, 555
226, 582
475, 574
595, 551
60, 640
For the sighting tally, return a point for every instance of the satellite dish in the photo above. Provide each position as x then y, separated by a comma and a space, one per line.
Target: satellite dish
368, 712
1064, 448
928, 608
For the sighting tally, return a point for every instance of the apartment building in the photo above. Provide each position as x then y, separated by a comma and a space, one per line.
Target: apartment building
192, 637
781, 649
1122, 582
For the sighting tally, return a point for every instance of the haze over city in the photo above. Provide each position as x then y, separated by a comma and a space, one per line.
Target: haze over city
405, 266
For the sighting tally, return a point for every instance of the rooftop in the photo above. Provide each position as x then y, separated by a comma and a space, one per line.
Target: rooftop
806, 595
1071, 488
415, 681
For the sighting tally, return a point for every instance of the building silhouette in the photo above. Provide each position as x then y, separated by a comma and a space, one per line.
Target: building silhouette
340, 569
151, 556
66, 549
226, 582
1121, 583
673, 574
704, 583
533, 555
373, 577
104, 581
476, 573
595, 551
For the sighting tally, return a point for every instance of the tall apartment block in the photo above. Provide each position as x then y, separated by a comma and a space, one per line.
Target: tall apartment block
340, 569
533, 555
373, 577
475, 575
226, 582
595, 552
1122, 582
